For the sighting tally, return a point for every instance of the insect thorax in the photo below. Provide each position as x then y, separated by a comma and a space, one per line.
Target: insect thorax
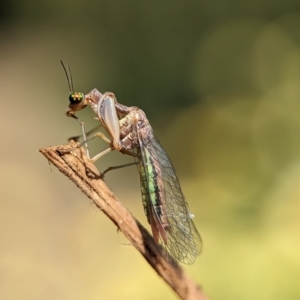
134, 128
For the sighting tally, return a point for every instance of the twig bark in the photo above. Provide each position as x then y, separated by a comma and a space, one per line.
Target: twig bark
74, 164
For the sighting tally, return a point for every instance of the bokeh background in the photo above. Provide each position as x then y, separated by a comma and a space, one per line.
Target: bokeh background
219, 81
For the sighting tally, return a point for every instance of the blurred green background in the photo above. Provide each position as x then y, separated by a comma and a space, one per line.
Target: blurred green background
220, 83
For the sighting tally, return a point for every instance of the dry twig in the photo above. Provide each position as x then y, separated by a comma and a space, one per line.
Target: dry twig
85, 175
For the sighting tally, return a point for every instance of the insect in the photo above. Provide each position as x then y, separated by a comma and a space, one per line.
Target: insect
131, 133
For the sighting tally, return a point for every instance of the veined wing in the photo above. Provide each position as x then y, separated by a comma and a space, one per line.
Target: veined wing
165, 205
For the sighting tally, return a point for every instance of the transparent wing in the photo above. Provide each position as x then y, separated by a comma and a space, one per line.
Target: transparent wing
183, 241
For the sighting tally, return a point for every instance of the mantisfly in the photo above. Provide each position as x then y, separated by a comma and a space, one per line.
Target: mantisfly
131, 133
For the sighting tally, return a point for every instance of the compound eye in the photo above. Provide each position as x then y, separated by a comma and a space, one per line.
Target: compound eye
76, 98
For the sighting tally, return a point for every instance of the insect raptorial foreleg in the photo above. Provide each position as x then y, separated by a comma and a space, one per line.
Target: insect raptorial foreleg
123, 138
107, 114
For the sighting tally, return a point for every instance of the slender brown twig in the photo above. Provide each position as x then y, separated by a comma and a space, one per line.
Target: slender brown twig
74, 164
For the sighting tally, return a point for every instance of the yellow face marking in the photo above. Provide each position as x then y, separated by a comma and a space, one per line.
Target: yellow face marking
76, 98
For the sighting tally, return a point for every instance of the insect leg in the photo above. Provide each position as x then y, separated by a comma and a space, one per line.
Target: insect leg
116, 167
104, 138
77, 137
86, 140
83, 132
127, 152
96, 157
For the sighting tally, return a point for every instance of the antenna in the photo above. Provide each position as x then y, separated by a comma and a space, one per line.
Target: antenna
69, 76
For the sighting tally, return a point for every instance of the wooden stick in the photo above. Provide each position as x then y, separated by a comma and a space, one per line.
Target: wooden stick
74, 164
